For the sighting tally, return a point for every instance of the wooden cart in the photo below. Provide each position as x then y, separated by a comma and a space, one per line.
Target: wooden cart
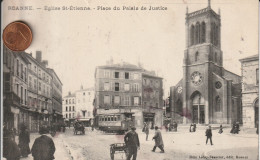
119, 148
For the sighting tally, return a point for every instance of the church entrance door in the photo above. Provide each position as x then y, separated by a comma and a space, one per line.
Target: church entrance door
198, 114
198, 108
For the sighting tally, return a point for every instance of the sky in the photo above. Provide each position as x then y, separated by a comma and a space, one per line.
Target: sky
75, 42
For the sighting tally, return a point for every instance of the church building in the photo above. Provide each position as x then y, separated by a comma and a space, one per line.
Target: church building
207, 93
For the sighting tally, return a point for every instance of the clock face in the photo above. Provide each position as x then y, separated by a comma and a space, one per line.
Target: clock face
179, 89
196, 78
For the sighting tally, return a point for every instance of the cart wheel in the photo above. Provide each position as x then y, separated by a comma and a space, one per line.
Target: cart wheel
112, 152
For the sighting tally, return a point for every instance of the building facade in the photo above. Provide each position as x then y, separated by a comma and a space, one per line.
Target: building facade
125, 87
40, 98
250, 90
84, 105
56, 92
27, 90
207, 93
68, 108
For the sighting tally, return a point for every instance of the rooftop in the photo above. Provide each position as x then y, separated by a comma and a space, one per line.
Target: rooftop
250, 58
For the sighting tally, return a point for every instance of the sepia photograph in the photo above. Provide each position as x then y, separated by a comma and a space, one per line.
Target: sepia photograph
129, 80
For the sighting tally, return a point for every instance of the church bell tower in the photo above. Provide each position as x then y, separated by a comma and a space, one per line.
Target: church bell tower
202, 59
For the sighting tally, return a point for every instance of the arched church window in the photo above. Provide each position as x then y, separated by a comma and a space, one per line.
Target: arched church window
192, 35
203, 32
197, 33
212, 33
218, 104
217, 35
216, 57
196, 56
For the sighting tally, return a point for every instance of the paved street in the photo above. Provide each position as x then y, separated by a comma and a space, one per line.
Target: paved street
178, 145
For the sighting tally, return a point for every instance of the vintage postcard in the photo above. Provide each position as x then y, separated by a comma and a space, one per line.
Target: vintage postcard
129, 79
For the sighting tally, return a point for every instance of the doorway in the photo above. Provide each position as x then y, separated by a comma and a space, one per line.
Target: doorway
198, 108
198, 114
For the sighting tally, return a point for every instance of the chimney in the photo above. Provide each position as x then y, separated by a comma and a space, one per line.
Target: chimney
39, 56
31, 54
69, 93
45, 63
81, 87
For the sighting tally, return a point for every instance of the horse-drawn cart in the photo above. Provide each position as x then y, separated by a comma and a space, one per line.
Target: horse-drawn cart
119, 148
79, 128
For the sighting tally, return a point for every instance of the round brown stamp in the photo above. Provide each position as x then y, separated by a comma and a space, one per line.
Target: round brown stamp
17, 36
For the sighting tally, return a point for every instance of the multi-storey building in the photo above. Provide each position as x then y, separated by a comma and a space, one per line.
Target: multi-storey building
27, 90
84, 105
56, 92
250, 90
128, 88
11, 100
68, 108
39, 96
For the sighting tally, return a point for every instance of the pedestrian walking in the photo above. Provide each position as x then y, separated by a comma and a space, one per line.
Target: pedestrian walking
10, 148
175, 125
24, 140
43, 147
132, 143
191, 127
233, 128
146, 130
209, 135
220, 129
143, 130
158, 140
237, 128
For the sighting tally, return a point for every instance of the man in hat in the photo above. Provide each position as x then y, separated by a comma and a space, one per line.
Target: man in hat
43, 147
132, 143
209, 135
158, 140
10, 148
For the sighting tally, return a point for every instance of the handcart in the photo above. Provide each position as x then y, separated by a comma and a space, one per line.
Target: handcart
119, 148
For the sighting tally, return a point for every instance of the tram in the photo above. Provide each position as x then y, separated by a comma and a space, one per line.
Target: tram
116, 123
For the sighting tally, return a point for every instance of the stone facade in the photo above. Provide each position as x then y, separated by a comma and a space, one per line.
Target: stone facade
208, 93
84, 105
250, 90
28, 90
128, 88
68, 108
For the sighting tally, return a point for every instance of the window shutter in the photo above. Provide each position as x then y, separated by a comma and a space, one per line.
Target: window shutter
121, 87
113, 86
132, 100
131, 75
122, 100
140, 101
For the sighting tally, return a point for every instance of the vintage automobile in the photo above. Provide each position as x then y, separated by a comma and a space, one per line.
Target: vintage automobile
116, 123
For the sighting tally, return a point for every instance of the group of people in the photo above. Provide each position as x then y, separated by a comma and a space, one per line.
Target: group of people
132, 141
43, 147
171, 127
